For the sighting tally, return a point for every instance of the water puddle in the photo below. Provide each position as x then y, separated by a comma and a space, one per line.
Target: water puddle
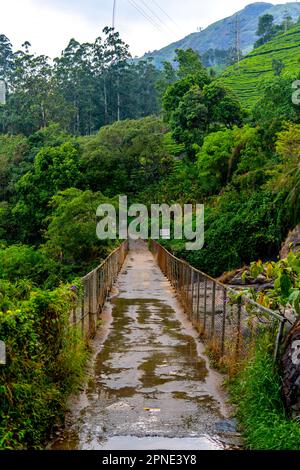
151, 386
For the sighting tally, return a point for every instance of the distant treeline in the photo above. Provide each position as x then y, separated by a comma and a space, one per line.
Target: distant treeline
88, 86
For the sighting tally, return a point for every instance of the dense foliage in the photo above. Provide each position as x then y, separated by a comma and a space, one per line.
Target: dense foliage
45, 363
284, 278
245, 78
267, 29
89, 85
257, 392
67, 146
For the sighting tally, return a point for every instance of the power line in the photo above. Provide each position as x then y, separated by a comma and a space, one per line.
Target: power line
156, 16
145, 14
166, 14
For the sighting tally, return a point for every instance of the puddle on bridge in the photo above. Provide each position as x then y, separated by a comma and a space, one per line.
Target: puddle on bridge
151, 386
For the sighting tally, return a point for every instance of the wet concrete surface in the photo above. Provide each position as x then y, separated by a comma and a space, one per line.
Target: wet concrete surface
151, 386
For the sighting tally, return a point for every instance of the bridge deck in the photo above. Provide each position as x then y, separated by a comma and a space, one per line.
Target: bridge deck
151, 386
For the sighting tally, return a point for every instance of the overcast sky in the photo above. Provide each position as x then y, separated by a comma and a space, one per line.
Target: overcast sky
49, 24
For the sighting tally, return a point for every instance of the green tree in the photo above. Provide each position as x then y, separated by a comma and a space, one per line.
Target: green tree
176, 92
54, 169
6, 58
275, 107
193, 107
167, 77
288, 147
277, 66
13, 151
19, 262
88, 86
126, 156
71, 233
267, 29
225, 154
189, 62
223, 106
215, 161
265, 25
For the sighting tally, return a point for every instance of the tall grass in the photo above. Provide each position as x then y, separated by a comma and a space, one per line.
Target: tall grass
260, 410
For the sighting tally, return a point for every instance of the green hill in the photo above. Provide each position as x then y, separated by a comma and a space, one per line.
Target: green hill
221, 34
244, 80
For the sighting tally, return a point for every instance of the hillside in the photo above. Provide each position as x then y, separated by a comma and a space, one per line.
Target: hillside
244, 80
220, 35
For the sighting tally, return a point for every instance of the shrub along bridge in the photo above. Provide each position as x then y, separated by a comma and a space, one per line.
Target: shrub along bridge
151, 385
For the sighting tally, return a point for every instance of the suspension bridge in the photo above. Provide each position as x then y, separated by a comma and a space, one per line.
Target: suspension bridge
150, 383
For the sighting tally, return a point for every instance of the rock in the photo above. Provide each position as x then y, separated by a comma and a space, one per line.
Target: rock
291, 371
227, 426
238, 278
292, 243
228, 276
261, 279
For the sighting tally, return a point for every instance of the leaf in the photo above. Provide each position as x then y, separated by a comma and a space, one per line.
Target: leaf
294, 300
285, 284
269, 270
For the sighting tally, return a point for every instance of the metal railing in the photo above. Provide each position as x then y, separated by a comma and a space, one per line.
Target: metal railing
228, 327
96, 287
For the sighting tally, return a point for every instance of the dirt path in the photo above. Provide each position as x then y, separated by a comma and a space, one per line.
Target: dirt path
151, 386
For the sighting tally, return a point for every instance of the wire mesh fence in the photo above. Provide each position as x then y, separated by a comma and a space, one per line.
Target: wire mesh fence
230, 327
96, 287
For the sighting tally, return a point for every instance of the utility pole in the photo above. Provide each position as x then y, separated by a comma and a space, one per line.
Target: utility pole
285, 22
237, 34
114, 14
235, 39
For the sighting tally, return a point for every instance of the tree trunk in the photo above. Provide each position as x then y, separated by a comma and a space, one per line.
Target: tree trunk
105, 104
119, 99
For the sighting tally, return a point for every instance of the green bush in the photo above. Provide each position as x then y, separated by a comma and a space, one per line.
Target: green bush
240, 227
24, 262
71, 234
45, 362
260, 410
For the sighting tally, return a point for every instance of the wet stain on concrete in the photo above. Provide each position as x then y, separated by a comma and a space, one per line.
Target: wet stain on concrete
151, 385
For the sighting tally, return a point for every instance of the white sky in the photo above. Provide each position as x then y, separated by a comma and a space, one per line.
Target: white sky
49, 24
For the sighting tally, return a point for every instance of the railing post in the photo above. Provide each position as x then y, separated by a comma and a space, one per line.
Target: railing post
213, 309
90, 304
198, 297
180, 277
96, 286
187, 285
238, 339
224, 321
192, 292
174, 272
205, 304
82, 312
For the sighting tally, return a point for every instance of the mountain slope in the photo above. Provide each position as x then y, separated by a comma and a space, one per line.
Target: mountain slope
221, 35
244, 80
